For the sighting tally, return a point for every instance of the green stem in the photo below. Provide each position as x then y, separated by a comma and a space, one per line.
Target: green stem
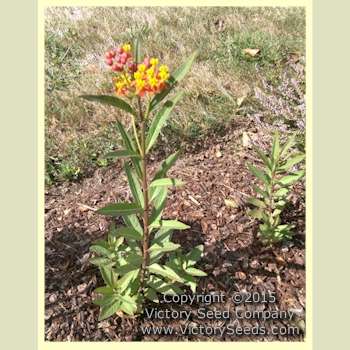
145, 243
135, 135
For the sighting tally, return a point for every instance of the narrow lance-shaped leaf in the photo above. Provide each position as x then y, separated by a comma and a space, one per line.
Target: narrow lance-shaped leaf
285, 148
256, 213
124, 282
128, 232
134, 184
159, 203
168, 182
164, 247
257, 202
130, 146
166, 165
173, 224
160, 119
109, 309
195, 272
276, 147
292, 161
291, 178
128, 305
259, 174
260, 191
176, 76
165, 271
120, 209
108, 276
110, 100
262, 156
133, 221
194, 255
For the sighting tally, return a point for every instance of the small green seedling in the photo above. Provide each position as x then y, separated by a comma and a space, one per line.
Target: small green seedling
276, 178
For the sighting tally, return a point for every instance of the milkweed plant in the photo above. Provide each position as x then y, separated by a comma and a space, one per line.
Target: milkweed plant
138, 261
276, 177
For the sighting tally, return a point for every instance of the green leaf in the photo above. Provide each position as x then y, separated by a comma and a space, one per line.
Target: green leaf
281, 192
290, 143
176, 77
109, 309
257, 202
133, 221
108, 275
163, 287
129, 232
128, 305
164, 247
292, 161
260, 191
100, 250
133, 259
194, 255
276, 212
159, 120
164, 234
291, 179
104, 290
105, 300
159, 202
195, 272
165, 271
255, 213
130, 146
262, 156
276, 147
122, 153
134, 185
151, 295
166, 182
112, 101
181, 72
173, 224
259, 174
230, 203
101, 261
166, 165
120, 209
126, 280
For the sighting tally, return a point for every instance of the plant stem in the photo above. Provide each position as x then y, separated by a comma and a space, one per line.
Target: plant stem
135, 134
145, 196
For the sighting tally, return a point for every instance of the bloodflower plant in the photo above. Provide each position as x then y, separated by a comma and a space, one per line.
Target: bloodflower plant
139, 261
277, 175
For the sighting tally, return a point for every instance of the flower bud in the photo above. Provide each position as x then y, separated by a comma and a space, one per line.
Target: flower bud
117, 67
132, 67
109, 61
146, 62
108, 55
112, 53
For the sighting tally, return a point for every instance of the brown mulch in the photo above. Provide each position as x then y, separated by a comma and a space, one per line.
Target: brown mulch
233, 258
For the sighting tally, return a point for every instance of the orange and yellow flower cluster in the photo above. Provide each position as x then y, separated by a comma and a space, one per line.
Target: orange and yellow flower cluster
133, 79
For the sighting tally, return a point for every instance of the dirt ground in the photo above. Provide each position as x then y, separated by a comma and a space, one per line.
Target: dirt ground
214, 170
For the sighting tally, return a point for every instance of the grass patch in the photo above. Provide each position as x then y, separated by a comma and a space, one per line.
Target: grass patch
78, 133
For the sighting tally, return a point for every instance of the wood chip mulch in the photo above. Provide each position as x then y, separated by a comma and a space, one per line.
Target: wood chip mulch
233, 257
